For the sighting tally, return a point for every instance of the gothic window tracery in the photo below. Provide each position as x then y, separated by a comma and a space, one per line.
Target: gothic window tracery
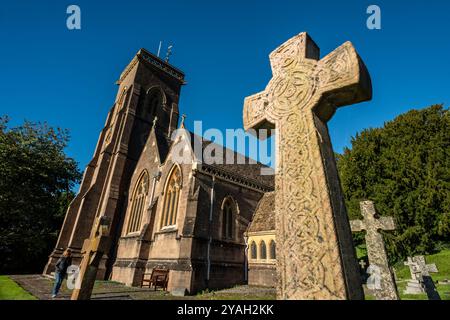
227, 219
273, 254
253, 250
171, 198
262, 250
138, 203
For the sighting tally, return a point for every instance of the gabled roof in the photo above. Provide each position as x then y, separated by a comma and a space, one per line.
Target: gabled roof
245, 167
248, 172
264, 216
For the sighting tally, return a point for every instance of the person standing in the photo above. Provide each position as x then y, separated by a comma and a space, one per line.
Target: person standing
60, 270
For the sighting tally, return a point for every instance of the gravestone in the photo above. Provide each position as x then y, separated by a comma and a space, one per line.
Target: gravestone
315, 254
418, 269
375, 248
425, 268
362, 263
93, 250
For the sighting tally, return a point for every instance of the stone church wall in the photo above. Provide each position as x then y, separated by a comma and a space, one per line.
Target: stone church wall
226, 256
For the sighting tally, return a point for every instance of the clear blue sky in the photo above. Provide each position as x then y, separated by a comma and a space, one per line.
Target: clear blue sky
66, 78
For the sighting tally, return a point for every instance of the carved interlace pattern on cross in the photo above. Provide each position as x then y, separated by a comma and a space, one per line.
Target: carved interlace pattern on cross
309, 264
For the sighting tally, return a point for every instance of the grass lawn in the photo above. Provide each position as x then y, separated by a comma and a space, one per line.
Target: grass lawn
236, 296
238, 293
442, 261
9, 290
361, 252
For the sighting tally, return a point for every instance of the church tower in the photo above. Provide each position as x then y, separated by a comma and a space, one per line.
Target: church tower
149, 89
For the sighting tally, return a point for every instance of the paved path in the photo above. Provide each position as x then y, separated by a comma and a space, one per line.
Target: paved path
41, 286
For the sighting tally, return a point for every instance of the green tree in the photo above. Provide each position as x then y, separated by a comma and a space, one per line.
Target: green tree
404, 168
36, 178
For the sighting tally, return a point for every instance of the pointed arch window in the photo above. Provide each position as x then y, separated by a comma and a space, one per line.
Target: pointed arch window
153, 101
262, 250
253, 250
273, 254
138, 203
171, 198
227, 219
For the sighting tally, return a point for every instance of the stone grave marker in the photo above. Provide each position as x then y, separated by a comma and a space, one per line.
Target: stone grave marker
315, 254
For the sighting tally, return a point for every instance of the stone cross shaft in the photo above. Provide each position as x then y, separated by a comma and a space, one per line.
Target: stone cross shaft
375, 247
93, 250
315, 257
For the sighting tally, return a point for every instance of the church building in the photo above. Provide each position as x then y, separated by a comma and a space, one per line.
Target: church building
262, 244
191, 218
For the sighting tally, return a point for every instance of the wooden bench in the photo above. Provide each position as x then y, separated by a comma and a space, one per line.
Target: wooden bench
158, 278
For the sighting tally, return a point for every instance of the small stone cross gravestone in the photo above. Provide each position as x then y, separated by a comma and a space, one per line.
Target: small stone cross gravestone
375, 248
362, 263
418, 269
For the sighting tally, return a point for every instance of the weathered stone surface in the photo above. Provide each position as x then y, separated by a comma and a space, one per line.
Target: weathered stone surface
316, 258
93, 250
375, 248
179, 292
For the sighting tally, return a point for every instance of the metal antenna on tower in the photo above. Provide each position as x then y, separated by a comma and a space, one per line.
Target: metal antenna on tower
159, 48
183, 116
169, 52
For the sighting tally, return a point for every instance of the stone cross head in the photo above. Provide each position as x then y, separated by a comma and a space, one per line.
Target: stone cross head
423, 267
370, 220
303, 82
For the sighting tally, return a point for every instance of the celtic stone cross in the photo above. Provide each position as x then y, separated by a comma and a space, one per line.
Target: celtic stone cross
315, 258
375, 247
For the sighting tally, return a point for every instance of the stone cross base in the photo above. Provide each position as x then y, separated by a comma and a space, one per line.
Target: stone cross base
414, 287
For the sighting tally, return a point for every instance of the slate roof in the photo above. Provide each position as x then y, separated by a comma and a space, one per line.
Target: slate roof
264, 216
247, 170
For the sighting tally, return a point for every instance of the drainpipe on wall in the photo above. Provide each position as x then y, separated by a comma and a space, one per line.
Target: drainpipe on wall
208, 258
246, 259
